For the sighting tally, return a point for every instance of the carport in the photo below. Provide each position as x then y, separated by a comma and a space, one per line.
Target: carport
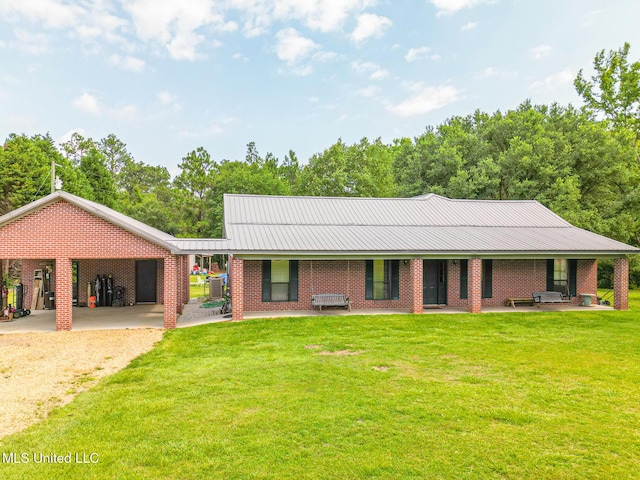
79, 240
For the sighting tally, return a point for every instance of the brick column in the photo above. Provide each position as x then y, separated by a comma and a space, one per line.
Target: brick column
415, 272
170, 288
179, 282
474, 303
237, 288
64, 294
621, 284
187, 279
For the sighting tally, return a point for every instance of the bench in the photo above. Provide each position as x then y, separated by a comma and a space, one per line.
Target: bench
519, 300
549, 297
330, 300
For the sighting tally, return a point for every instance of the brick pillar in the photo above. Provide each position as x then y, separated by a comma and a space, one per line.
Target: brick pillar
621, 284
170, 288
237, 288
64, 294
180, 280
187, 280
415, 272
474, 303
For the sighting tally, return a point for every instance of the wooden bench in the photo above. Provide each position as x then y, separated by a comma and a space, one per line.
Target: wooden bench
549, 297
519, 300
330, 300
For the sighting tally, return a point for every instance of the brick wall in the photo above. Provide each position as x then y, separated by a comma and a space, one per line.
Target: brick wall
519, 278
323, 276
511, 278
63, 232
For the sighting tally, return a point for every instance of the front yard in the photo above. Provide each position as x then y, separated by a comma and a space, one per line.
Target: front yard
542, 395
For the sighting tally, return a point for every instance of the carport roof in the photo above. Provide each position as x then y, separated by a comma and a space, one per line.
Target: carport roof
136, 227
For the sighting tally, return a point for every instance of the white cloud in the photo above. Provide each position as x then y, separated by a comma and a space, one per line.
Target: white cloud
375, 71
324, 56
31, 43
370, 25
313, 99
447, 7
87, 103
173, 25
66, 137
51, 13
322, 15
212, 130
293, 47
168, 99
370, 91
127, 113
425, 99
469, 26
491, 72
240, 56
552, 82
419, 53
541, 51
132, 64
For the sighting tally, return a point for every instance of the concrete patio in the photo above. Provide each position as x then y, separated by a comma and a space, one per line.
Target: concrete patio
104, 318
152, 316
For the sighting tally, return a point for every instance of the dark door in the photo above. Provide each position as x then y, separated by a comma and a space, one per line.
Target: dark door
146, 281
434, 282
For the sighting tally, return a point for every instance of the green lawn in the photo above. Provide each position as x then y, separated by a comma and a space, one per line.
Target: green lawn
537, 395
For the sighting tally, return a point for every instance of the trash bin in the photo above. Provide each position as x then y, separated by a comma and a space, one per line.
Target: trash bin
586, 299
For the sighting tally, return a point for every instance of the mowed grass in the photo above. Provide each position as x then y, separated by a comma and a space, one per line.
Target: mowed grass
518, 395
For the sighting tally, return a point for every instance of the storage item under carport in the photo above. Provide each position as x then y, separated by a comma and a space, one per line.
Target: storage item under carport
50, 300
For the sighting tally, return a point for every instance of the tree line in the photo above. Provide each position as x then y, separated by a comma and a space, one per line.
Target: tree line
581, 163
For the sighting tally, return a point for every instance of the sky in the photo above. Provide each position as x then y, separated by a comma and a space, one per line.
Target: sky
167, 77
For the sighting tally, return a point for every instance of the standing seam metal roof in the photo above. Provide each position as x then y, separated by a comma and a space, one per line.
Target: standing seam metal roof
430, 223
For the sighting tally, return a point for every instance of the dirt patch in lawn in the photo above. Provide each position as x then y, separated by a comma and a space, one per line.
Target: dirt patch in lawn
340, 353
41, 371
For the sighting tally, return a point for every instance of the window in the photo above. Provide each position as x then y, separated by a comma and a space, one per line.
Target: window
487, 278
382, 279
464, 279
561, 275
280, 281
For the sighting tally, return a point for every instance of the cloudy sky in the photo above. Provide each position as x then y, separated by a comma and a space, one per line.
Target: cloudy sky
168, 76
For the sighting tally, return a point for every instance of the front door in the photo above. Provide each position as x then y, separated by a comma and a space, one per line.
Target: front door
146, 281
434, 282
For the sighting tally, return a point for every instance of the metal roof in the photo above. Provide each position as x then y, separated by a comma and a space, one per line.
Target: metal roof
428, 211
424, 225
202, 246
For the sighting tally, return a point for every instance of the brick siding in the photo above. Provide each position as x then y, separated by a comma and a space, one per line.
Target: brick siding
511, 278
61, 233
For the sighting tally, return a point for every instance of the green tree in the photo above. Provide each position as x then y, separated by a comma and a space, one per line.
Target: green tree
103, 186
614, 89
196, 178
364, 169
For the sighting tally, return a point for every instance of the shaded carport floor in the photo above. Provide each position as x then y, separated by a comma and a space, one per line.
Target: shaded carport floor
104, 318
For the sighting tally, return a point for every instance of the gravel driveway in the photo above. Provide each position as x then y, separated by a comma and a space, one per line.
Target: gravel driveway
40, 371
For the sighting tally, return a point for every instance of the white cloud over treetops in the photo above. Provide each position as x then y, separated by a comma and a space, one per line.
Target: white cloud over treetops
425, 99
